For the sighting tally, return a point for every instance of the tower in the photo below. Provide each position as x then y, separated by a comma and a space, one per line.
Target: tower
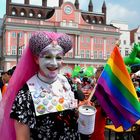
104, 10
44, 3
60, 3
90, 6
77, 4
26, 1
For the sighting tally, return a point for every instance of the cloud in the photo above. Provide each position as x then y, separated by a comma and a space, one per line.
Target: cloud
118, 12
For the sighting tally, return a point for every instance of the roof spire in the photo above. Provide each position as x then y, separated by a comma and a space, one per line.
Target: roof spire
26, 2
60, 3
90, 6
44, 3
77, 4
104, 11
104, 7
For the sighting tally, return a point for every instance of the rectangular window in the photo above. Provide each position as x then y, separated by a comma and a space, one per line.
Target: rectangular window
14, 50
95, 41
14, 34
101, 41
109, 41
20, 35
82, 53
108, 54
29, 35
95, 54
20, 49
124, 42
64, 22
88, 39
138, 37
100, 55
126, 52
70, 54
87, 54
82, 38
70, 23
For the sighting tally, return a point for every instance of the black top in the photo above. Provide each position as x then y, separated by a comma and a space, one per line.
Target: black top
53, 126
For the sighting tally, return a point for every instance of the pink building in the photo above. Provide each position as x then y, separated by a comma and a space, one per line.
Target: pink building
93, 39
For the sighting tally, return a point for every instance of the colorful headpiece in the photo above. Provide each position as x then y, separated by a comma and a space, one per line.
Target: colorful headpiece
41, 40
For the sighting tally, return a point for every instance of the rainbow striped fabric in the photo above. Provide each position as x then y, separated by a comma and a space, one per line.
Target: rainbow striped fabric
116, 93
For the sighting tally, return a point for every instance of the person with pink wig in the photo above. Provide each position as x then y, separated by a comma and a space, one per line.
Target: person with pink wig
39, 103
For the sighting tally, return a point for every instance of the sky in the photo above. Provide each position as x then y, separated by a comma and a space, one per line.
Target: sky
127, 11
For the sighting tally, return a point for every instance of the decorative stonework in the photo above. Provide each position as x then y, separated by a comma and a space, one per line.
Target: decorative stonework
43, 12
29, 11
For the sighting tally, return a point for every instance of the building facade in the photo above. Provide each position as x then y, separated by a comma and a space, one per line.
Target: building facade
135, 35
93, 39
125, 46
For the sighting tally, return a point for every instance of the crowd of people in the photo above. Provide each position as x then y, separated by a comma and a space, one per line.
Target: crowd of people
43, 104
136, 81
4, 80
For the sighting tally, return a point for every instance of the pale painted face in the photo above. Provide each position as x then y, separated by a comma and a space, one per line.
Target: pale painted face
50, 62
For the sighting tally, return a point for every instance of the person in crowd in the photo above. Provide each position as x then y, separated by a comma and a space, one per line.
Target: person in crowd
6, 76
86, 87
75, 84
1, 81
137, 87
100, 118
5, 79
40, 102
1, 85
136, 134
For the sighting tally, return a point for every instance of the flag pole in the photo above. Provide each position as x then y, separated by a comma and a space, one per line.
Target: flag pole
92, 93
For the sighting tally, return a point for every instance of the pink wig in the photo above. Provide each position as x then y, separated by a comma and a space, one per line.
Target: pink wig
25, 69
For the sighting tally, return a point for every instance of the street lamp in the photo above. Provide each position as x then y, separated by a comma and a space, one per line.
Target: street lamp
18, 35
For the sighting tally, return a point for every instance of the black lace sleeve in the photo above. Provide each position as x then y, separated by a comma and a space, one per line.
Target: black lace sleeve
23, 109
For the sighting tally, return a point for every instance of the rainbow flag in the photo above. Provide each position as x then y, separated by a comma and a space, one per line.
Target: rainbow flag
116, 93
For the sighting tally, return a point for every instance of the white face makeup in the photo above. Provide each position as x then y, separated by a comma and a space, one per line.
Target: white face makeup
50, 62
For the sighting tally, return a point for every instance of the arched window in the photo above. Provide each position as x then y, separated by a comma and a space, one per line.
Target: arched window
94, 20
39, 15
31, 13
101, 21
23, 12
14, 11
